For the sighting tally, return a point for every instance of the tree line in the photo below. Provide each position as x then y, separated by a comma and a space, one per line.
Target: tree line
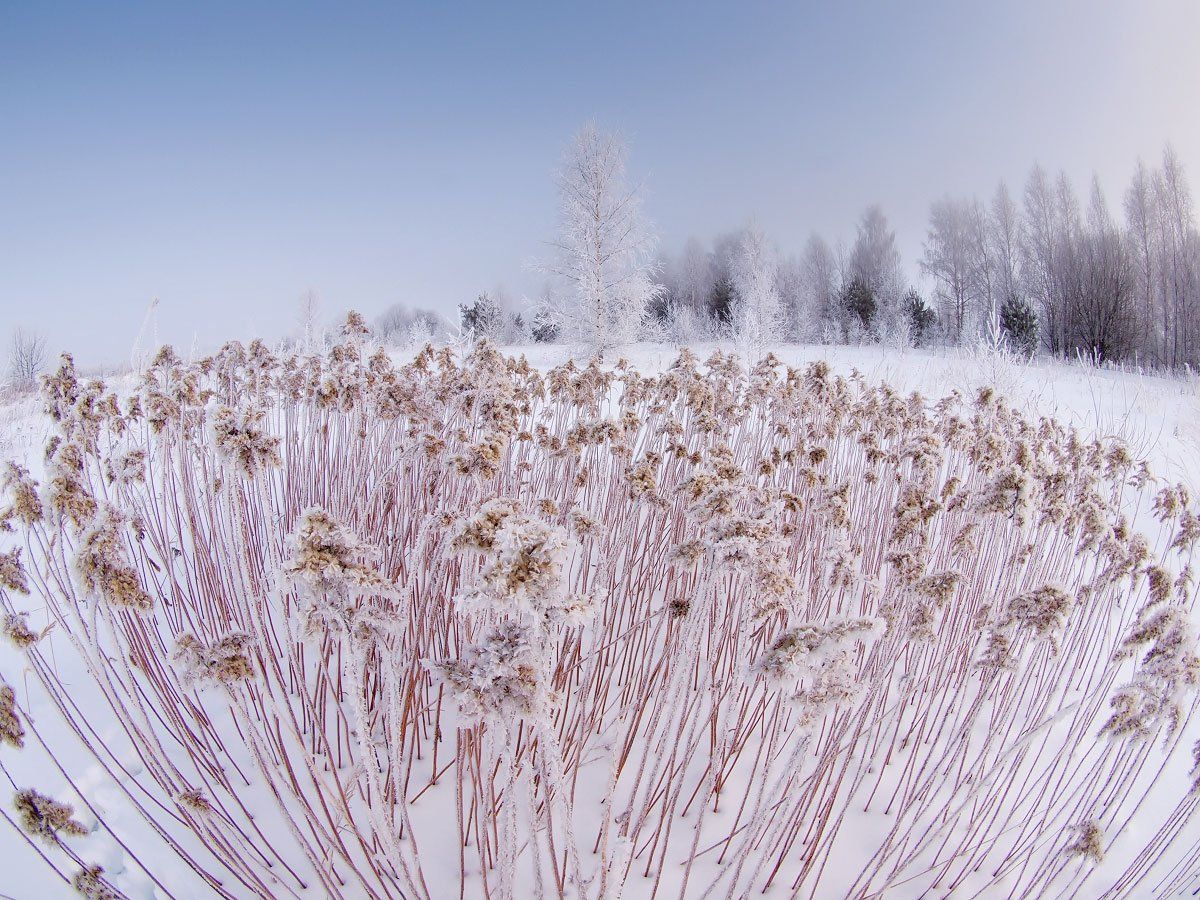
1044, 270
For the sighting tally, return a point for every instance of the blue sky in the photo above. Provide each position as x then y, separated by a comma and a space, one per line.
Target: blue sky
225, 157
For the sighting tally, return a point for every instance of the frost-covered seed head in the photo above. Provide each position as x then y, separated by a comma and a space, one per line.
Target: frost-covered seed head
102, 565
325, 557
1088, 842
224, 662
500, 676
12, 732
44, 817
90, 883
12, 573
16, 629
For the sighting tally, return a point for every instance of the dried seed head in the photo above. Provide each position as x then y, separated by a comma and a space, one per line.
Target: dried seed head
327, 558
17, 630
938, 588
998, 654
24, 504
12, 573
583, 524
807, 649
1043, 610
500, 676
12, 732
224, 662
194, 800
66, 493
479, 532
90, 883
124, 469
525, 569
1088, 842
355, 327
102, 567
45, 817
241, 441
679, 607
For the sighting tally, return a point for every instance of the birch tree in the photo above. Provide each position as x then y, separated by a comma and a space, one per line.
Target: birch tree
26, 359
1099, 298
950, 259
821, 284
1037, 255
1004, 238
604, 248
1141, 214
1178, 270
758, 318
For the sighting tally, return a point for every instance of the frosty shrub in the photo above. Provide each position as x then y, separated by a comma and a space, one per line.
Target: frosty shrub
461, 628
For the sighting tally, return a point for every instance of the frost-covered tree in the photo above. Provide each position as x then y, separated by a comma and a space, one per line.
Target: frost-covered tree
543, 320
1141, 214
860, 306
758, 317
26, 359
404, 325
604, 248
1100, 299
722, 295
950, 260
875, 261
483, 318
1019, 325
822, 282
695, 275
919, 318
544, 329
1004, 243
799, 321
1038, 269
1179, 268
308, 315
491, 316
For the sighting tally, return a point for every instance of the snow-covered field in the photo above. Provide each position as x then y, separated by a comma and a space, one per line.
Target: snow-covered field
1157, 418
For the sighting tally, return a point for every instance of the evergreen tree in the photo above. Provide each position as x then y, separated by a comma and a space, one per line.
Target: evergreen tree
919, 316
483, 318
659, 309
720, 300
544, 328
858, 300
1019, 322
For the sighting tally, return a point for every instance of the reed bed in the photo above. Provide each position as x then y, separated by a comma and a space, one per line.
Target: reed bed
460, 628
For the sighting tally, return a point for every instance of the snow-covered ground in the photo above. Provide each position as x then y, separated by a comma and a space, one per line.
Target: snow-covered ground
1159, 418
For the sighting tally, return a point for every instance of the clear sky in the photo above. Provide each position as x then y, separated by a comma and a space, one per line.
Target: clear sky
225, 157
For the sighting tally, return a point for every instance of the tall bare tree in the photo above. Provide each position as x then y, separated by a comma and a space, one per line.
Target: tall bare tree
1004, 238
1178, 274
26, 358
1099, 297
605, 247
1141, 214
952, 249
